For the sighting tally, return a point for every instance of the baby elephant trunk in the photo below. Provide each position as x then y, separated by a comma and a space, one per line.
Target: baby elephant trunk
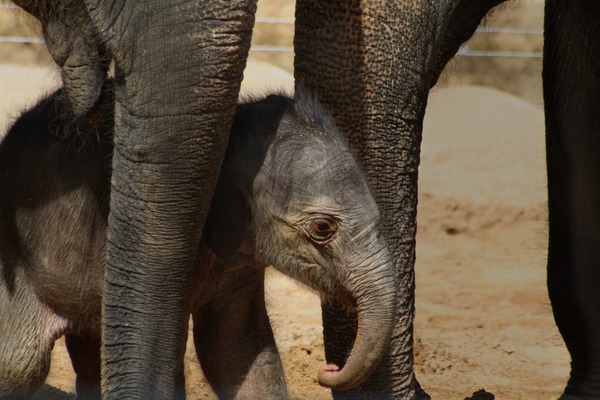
375, 297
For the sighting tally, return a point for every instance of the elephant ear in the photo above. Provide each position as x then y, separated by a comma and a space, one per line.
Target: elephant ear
254, 126
228, 218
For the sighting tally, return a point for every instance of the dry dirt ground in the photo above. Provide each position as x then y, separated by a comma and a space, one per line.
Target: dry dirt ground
483, 316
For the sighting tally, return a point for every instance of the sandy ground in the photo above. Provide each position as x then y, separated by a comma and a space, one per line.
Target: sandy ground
483, 317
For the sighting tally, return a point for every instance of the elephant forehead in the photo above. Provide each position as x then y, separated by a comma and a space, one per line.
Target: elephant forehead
341, 204
328, 191
308, 152
316, 169
309, 166
321, 161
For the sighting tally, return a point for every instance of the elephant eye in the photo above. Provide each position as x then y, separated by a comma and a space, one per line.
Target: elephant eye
322, 229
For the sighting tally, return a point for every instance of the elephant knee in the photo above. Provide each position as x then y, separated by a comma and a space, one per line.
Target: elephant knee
22, 371
234, 341
28, 330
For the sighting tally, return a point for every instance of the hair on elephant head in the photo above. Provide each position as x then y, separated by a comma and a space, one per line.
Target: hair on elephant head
290, 194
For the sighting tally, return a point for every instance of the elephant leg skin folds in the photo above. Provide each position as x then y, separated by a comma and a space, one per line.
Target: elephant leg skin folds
178, 69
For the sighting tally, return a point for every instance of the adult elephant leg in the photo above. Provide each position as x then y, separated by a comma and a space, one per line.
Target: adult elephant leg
572, 101
370, 64
178, 68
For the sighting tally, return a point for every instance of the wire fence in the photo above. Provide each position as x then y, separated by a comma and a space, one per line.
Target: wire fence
464, 50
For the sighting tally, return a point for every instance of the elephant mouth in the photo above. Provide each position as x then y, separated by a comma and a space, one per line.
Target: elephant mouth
344, 299
349, 302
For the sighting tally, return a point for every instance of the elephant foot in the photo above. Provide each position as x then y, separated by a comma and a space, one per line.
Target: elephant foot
481, 394
568, 396
421, 395
579, 391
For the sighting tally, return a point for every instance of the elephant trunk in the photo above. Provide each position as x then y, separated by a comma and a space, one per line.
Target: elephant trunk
376, 312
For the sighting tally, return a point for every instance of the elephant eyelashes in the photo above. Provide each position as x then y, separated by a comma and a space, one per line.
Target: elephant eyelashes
322, 229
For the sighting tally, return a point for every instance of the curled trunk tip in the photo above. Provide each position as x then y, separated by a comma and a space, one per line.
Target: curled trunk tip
372, 339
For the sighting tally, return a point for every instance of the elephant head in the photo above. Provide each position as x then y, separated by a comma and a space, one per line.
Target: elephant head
311, 216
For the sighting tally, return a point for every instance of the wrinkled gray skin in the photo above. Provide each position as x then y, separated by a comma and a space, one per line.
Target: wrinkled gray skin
290, 194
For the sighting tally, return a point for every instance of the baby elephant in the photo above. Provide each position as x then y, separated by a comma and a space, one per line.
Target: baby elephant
290, 195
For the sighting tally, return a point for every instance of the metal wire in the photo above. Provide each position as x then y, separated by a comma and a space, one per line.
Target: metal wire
463, 52
15, 39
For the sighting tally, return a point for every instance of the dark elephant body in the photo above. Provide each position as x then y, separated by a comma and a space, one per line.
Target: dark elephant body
286, 161
572, 112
